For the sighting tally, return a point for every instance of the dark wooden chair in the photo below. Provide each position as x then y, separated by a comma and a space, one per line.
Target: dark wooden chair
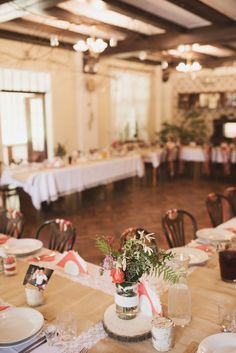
230, 193
219, 208
57, 234
11, 223
174, 223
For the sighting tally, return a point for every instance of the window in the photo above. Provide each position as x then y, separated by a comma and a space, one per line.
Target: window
130, 99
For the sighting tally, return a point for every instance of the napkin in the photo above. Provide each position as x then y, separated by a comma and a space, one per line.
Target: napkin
149, 301
3, 238
72, 263
4, 307
231, 229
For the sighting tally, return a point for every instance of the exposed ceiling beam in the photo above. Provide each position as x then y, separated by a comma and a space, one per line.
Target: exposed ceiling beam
43, 30
80, 19
167, 41
204, 11
26, 38
146, 61
18, 8
142, 15
173, 61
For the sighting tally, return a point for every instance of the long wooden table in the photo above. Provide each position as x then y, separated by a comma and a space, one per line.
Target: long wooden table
208, 291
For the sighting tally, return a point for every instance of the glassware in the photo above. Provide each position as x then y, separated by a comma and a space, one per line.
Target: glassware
9, 265
51, 334
67, 326
179, 296
227, 318
126, 299
162, 334
227, 261
34, 296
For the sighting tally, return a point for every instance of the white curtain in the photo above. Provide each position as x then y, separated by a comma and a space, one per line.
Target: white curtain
130, 102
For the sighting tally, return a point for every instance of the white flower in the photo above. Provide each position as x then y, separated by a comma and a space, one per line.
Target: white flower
147, 249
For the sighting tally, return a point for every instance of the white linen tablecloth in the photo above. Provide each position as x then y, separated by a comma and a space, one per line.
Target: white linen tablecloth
155, 157
49, 184
192, 154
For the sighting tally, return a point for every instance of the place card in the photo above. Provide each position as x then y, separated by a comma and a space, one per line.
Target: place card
37, 276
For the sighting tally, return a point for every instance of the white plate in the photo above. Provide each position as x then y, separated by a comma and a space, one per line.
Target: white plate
22, 246
19, 324
197, 256
219, 343
214, 234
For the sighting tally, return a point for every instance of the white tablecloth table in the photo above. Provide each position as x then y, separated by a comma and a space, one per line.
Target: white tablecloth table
48, 184
192, 154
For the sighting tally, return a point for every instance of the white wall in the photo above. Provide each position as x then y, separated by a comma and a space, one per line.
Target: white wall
80, 104
61, 65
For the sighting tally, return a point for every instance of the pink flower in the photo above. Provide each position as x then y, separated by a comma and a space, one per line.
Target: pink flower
117, 275
107, 263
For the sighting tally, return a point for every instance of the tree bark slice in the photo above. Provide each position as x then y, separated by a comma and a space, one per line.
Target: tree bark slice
134, 330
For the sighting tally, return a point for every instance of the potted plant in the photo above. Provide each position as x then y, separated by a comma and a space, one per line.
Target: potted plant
60, 150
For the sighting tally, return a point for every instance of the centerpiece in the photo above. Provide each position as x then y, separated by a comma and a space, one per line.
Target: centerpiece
138, 256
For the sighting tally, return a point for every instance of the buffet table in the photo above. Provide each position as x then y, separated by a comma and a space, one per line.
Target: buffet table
208, 291
48, 184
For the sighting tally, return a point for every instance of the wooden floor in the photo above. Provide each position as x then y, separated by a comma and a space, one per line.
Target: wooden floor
131, 203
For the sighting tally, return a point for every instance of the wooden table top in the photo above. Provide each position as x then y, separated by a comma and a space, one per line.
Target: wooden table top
208, 291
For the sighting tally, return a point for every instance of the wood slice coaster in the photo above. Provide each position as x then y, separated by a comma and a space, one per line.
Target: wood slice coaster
134, 330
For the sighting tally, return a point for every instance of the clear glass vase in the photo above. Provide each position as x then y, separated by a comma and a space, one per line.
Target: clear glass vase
126, 300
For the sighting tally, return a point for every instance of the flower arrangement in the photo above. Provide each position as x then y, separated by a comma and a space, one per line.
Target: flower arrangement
137, 256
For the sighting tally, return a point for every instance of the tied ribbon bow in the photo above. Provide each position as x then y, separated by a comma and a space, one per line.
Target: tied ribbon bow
225, 152
13, 214
172, 214
63, 224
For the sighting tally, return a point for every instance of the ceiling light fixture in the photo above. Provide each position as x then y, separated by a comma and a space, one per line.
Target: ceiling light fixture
54, 41
94, 46
189, 66
142, 55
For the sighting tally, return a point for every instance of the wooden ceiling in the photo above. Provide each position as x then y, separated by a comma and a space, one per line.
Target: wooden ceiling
150, 30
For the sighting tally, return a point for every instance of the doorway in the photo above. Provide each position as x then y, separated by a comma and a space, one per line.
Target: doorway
23, 128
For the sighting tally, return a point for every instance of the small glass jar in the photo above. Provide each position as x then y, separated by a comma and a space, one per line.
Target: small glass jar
162, 333
126, 300
227, 261
34, 295
9, 265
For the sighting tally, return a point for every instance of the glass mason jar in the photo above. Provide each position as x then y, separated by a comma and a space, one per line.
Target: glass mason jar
34, 296
227, 262
9, 265
126, 300
162, 333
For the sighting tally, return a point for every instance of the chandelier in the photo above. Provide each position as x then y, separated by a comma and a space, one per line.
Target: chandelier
94, 46
189, 66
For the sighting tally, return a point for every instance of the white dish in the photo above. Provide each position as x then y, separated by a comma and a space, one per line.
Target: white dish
197, 256
219, 343
24, 246
18, 325
214, 234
